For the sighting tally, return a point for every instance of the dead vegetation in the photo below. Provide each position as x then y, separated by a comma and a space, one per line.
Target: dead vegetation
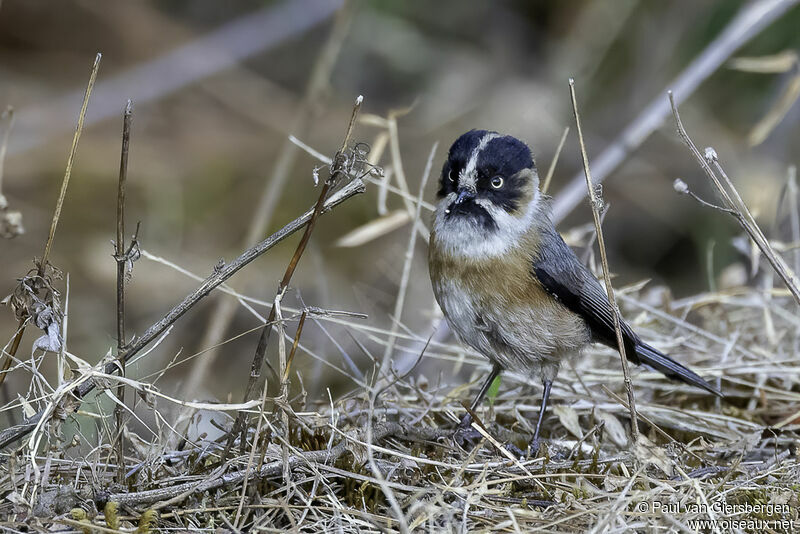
336, 466
382, 458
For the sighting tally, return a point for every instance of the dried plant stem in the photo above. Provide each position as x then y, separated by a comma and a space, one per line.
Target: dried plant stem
295, 344
596, 207
121, 258
42, 265
284, 388
412, 239
218, 277
5, 394
397, 160
284, 378
9, 113
337, 169
70, 161
257, 436
794, 213
736, 206
8, 358
397, 167
648, 421
376, 472
552, 168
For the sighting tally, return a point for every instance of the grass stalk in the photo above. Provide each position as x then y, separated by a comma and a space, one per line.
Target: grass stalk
596, 205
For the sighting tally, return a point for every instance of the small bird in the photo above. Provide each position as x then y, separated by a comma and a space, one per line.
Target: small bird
507, 283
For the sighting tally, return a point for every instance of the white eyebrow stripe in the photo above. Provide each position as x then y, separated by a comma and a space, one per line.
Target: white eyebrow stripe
468, 176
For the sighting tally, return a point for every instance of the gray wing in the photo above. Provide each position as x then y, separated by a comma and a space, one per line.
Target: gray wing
562, 275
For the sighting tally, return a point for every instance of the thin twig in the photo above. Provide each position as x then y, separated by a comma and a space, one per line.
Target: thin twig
57, 213
596, 207
410, 369
749, 22
121, 259
397, 166
256, 439
10, 116
284, 387
657, 428
70, 160
376, 472
681, 187
552, 168
219, 276
295, 343
8, 358
733, 201
338, 168
794, 213
412, 239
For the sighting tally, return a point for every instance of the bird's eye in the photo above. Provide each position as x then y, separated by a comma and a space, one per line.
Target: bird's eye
450, 176
497, 182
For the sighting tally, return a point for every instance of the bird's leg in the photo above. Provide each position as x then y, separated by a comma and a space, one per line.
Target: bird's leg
466, 421
464, 430
534, 445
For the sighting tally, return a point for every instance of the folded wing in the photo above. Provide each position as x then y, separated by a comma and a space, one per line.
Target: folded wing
566, 279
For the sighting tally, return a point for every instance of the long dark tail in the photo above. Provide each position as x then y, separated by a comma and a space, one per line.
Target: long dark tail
672, 369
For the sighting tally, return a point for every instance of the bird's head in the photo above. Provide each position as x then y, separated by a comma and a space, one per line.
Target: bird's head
488, 195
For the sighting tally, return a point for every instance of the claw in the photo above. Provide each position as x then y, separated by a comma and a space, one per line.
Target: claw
465, 436
516, 451
533, 447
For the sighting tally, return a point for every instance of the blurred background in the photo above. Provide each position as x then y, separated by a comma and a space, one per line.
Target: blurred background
218, 87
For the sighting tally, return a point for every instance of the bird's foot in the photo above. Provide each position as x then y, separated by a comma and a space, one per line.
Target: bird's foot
533, 447
531, 451
465, 436
516, 451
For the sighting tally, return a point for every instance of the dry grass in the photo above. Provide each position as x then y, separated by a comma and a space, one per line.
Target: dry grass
703, 452
382, 459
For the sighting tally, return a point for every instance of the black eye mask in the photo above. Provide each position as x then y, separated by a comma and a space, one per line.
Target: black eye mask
508, 195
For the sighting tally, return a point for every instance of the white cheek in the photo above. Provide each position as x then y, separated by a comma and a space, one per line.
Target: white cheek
464, 237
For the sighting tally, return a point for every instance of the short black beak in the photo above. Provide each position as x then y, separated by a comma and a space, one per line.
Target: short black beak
463, 196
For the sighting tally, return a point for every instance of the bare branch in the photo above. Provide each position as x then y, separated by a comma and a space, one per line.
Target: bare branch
733, 201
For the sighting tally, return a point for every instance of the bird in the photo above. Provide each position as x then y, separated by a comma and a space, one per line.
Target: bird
508, 285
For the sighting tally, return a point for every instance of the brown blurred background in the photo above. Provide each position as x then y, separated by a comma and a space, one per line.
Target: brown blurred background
218, 87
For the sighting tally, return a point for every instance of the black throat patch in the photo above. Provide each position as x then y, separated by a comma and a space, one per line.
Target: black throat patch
471, 210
